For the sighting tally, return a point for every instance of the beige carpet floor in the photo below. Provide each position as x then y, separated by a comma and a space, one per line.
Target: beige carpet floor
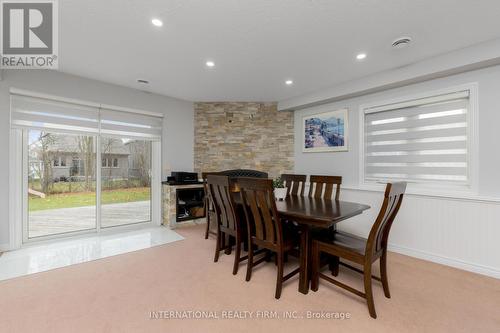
117, 294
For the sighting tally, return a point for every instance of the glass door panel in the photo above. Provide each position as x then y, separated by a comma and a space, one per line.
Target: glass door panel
125, 181
61, 183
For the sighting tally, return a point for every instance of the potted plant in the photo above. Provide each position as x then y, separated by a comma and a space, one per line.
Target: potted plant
279, 189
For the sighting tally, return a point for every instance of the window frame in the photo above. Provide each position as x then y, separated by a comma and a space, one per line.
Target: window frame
110, 163
59, 159
426, 188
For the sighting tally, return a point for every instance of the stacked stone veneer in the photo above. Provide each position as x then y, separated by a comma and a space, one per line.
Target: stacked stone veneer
234, 135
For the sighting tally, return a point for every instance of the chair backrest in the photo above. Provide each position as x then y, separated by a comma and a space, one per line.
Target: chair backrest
379, 233
207, 200
319, 183
294, 183
260, 211
243, 173
219, 188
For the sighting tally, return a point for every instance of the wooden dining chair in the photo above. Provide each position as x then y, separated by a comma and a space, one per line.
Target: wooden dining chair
323, 186
264, 226
209, 206
294, 183
362, 251
228, 223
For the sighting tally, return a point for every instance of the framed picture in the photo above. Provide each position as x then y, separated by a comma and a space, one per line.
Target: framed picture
326, 131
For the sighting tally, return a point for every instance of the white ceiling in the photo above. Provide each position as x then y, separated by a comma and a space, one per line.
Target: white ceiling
258, 44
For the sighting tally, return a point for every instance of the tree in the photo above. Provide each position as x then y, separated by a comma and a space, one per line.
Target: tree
46, 140
87, 155
141, 154
106, 145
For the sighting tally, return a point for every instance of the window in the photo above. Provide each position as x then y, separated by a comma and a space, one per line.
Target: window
59, 161
110, 163
424, 141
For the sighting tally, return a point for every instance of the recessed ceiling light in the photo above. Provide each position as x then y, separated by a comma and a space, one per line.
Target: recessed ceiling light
288, 82
361, 56
157, 22
210, 64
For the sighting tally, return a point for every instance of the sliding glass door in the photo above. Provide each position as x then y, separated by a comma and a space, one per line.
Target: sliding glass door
125, 181
85, 167
61, 183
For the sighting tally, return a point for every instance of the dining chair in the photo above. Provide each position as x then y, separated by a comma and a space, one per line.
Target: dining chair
208, 204
228, 223
360, 250
322, 186
294, 183
264, 226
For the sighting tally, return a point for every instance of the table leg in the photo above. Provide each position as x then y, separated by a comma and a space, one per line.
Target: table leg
304, 275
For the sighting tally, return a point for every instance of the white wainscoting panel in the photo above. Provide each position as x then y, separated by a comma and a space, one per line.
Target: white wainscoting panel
456, 232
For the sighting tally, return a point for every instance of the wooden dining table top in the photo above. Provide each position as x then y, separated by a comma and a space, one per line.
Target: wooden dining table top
318, 212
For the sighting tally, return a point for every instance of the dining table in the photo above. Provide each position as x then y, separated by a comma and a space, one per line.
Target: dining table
311, 213
319, 213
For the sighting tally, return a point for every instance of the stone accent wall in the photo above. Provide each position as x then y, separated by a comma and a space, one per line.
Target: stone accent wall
243, 135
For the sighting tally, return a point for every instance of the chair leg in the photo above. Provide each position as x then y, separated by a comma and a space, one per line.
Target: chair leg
237, 255
218, 245
368, 289
334, 265
249, 261
279, 278
207, 230
383, 274
315, 263
229, 246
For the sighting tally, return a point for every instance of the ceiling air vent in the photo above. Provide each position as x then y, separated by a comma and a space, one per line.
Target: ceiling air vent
401, 42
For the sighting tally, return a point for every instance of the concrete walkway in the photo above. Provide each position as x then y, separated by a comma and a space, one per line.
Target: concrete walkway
55, 221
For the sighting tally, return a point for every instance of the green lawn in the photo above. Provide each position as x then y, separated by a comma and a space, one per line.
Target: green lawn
67, 200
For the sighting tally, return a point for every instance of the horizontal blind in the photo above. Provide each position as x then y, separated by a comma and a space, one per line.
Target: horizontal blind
128, 124
48, 114
422, 140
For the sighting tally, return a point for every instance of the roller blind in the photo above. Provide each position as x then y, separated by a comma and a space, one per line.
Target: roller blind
128, 124
424, 140
49, 114
71, 116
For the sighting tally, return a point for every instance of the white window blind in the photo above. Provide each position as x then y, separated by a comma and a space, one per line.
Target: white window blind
71, 116
421, 141
128, 124
49, 114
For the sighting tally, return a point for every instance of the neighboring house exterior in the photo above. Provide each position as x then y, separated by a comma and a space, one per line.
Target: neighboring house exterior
121, 159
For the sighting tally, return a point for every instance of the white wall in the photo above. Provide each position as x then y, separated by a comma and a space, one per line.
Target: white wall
178, 139
458, 232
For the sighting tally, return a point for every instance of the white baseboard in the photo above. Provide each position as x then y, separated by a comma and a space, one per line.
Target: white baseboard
5, 247
480, 269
